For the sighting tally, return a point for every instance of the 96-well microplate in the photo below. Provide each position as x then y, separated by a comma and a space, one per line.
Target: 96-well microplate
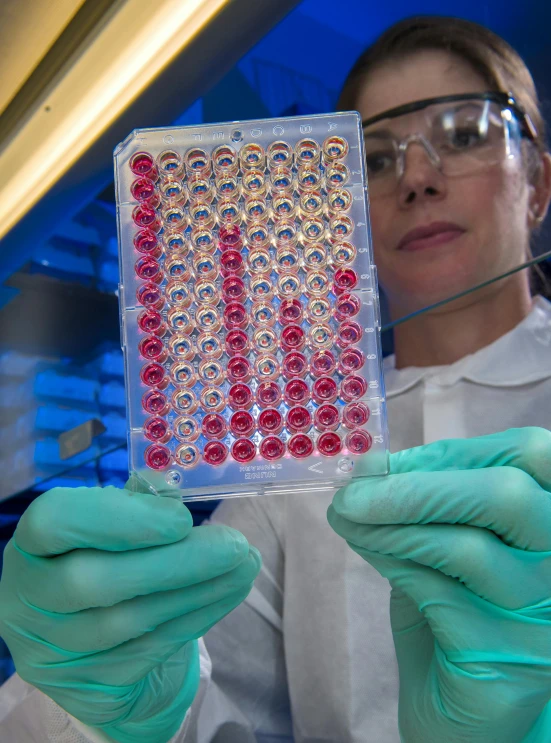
249, 307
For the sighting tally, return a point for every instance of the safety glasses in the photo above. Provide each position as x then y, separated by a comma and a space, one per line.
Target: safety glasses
461, 135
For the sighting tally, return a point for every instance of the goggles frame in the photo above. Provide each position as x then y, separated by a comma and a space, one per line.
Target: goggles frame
506, 100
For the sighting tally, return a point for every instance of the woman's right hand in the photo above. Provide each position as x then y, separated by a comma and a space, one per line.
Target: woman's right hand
103, 595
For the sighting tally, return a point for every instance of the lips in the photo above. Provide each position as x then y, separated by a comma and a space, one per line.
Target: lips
430, 235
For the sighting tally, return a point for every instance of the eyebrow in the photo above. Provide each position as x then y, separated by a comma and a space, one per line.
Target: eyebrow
379, 134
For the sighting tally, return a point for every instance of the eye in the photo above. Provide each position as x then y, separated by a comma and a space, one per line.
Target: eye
465, 138
380, 162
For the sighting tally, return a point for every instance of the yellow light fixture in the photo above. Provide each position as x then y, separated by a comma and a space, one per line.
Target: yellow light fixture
134, 45
27, 31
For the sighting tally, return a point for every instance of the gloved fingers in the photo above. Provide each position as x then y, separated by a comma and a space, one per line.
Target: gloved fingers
64, 519
166, 639
87, 578
507, 577
98, 629
412, 635
404, 614
171, 686
469, 629
527, 449
504, 499
130, 662
182, 688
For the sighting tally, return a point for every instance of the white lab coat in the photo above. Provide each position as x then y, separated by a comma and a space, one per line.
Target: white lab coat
308, 657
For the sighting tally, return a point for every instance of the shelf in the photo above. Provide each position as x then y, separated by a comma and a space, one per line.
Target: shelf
52, 317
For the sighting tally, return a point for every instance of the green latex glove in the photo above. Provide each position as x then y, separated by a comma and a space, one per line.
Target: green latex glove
104, 593
462, 530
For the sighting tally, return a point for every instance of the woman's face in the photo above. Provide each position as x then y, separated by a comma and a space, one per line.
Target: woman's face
488, 209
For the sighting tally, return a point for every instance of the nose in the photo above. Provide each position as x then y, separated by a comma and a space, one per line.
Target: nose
421, 178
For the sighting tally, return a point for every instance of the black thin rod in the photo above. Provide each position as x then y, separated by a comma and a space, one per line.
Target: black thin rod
522, 266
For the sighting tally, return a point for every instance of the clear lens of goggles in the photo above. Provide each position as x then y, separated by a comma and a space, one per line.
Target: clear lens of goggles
459, 138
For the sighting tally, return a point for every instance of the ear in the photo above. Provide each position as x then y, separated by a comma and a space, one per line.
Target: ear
540, 193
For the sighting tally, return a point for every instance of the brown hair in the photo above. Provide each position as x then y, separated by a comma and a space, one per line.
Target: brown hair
499, 65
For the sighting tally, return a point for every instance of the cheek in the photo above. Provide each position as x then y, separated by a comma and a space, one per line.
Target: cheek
492, 208
498, 204
382, 217
506, 200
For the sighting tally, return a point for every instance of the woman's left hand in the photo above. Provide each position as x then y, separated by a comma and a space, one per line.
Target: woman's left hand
462, 530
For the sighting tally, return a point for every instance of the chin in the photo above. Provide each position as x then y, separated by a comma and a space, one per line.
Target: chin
428, 282
414, 294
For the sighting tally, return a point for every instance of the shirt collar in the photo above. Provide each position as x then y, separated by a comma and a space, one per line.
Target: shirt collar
521, 356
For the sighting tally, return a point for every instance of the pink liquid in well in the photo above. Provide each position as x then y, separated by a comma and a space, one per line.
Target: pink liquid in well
235, 316
347, 306
298, 419
239, 369
237, 342
351, 360
296, 391
156, 429
144, 215
326, 417
353, 387
322, 363
325, 389
153, 375
355, 415
230, 236
151, 321
241, 423
142, 163
157, 457
151, 295
243, 450
152, 348
142, 189
349, 332
329, 444
146, 241
155, 402
214, 426
233, 288
270, 421
292, 338
240, 396
300, 446
290, 311
345, 279
268, 394
272, 448
215, 453
231, 263
358, 442
295, 364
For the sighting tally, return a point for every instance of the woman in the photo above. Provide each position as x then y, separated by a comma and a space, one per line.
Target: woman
459, 528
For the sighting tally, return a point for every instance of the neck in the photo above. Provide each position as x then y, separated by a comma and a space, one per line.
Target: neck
460, 328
